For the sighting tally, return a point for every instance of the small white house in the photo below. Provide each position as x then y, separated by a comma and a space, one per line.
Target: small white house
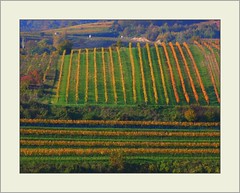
90, 36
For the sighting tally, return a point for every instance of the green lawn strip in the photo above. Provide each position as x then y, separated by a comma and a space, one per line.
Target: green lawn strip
151, 155
127, 72
153, 159
185, 77
109, 78
118, 81
24, 137
138, 76
203, 70
114, 146
160, 129
197, 142
166, 72
182, 99
91, 82
210, 140
63, 84
26, 159
72, 82
157, 75
96, 137
148, 78
82, 78
194, 77
100, 78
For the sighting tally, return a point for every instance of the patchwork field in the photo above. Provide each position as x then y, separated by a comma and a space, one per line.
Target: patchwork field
79, 147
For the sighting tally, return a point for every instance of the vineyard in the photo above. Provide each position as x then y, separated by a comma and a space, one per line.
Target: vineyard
151, 75
70, 144
166, 74
141, 108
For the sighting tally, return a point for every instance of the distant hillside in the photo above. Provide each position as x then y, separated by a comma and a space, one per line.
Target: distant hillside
39, 25
85, 28
104, 33
168, 30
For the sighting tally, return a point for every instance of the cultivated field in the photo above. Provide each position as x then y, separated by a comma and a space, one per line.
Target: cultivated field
96, 143
168, 81
170, 74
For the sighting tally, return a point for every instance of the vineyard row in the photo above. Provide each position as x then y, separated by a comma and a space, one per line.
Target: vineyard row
125, 123
106, 151
113, 76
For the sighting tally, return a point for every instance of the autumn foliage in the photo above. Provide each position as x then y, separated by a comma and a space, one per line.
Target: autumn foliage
207, 57
162, 74
197, 72
104, 76
142, 73
188, 72
107, 151
117, 143
133, 73
77, 75
60, 75
113, 75
122, 76
152, 74
171, 73
179, 72
95, 75
87, 71
112, 122
69, 75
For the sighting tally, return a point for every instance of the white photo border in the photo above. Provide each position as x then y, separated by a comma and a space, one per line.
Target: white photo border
13, 11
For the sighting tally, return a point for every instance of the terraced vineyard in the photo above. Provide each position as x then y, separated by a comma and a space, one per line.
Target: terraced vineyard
55, 144
170, 74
